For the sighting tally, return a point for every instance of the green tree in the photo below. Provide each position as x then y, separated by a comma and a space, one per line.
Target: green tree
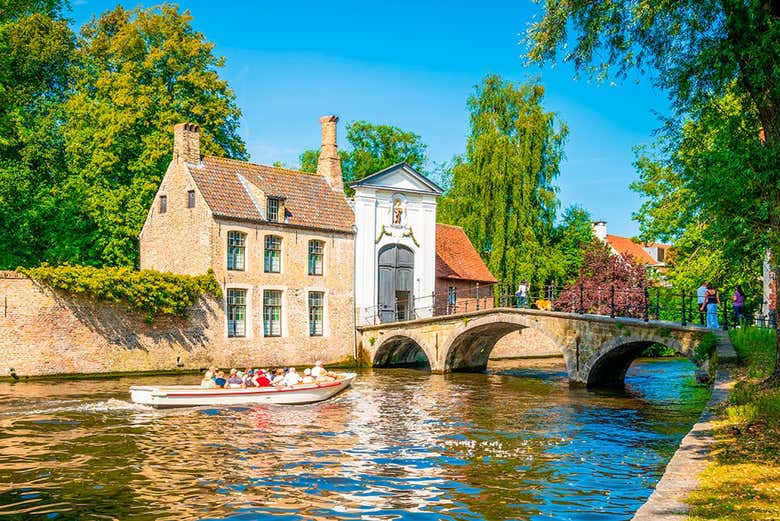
35, 50
700, 191
371, 148
571, 239
136, 74
502, 189
699, 51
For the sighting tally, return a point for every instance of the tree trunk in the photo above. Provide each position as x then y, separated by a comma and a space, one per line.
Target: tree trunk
773, 143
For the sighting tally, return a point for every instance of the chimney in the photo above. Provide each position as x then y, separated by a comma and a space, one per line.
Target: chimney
600, 230
186, 143
329, 162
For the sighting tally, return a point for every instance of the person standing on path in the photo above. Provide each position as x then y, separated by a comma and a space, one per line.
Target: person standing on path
738, 303
522, 295
701, 293
711, 301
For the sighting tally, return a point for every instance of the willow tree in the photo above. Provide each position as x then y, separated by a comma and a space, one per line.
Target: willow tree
136, 74
502, 189
697, 50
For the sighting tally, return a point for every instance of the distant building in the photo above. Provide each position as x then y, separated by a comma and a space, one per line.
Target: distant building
463, 282
652, 255
280, 243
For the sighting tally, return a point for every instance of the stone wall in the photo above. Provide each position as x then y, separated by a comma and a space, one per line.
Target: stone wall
43, 332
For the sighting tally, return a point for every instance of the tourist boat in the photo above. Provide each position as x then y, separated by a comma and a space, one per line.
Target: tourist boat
167, 396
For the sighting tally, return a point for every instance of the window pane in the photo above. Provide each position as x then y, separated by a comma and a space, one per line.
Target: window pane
236, 250
273, 209
315, 313
236, 312
315, 257
273, 255
272, 313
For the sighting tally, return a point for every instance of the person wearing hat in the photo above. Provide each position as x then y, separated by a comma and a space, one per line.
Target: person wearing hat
318, 370
234, 381
261, 379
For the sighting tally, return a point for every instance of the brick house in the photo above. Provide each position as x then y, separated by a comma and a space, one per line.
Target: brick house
280, 243
652, 255
463, 282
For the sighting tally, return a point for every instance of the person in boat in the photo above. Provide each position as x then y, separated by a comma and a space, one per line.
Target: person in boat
235, 380
307, 377
318, 370
261, 379
208, 380
292, 377
249, 378
220, 380
278, 377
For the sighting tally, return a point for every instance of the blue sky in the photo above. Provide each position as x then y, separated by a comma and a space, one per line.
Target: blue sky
413, 65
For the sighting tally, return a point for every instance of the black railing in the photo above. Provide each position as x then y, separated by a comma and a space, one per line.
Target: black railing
644, 303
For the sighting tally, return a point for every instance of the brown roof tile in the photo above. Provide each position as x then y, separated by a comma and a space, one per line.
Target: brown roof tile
456, 257
309, 201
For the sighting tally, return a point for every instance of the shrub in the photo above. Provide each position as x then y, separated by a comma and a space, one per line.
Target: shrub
657, 350
706, 347
149, 292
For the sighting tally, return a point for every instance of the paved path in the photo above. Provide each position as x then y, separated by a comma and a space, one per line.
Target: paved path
681, 477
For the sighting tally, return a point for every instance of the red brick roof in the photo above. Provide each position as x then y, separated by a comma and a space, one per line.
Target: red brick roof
456, 257
626, 246
308, 199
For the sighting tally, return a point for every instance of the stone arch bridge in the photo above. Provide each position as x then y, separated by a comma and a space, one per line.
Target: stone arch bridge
597, 349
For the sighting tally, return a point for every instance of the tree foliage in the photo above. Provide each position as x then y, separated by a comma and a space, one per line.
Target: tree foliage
372, 148
86, 126
602, 271
502, 189
700, 52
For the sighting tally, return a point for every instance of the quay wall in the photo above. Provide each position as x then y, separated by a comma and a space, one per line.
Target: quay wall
43, 332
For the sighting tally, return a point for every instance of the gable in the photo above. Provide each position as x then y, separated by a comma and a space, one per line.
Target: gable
400, 177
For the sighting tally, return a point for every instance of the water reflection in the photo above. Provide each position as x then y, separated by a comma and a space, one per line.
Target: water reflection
516, 443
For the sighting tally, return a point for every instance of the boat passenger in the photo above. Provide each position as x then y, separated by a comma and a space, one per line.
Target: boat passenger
208, 380
220, 379
235, 380
278, 377
292, 377
318, 370
261, 379
249, 378
307, 377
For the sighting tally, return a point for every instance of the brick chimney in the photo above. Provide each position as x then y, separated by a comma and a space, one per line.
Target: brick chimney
329, 163
186, 143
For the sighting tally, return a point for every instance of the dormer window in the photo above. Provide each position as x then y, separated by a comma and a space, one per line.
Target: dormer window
272, 209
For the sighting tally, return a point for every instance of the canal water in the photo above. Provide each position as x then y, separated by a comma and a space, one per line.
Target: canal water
516, 443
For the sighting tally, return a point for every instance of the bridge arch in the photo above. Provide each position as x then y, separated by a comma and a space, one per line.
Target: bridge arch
469, 345
608, 366
402, 349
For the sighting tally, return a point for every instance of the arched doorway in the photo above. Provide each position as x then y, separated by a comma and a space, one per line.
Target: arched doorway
396, 283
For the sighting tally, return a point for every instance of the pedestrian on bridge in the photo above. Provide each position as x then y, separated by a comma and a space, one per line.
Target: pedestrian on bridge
701, 294
522, 295
711, 301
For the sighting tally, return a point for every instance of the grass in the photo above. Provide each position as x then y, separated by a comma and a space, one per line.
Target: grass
743, 480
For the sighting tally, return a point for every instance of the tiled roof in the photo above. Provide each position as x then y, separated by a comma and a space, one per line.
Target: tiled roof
308, 199
456, 257
626, 246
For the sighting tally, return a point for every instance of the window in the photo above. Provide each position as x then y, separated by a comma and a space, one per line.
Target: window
272, 313
315, 257
452, 296
316, 299
236, 312
273, 254
236, 251
163, 203
190, 198
272, 209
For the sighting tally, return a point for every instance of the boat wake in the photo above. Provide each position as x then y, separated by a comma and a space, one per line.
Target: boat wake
106, 406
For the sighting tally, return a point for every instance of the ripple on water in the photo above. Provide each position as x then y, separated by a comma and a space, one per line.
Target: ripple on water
514, 444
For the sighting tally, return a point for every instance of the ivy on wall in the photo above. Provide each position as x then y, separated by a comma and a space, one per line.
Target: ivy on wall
150, 292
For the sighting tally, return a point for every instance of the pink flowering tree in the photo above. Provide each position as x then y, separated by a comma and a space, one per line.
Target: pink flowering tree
603, 270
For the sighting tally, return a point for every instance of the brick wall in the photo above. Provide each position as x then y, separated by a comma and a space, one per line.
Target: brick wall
46, 333
467, 296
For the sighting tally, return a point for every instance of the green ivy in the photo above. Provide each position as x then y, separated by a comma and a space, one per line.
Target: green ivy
706, 347
150, 292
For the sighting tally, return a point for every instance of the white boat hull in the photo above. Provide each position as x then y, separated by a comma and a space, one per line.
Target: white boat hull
194, 396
